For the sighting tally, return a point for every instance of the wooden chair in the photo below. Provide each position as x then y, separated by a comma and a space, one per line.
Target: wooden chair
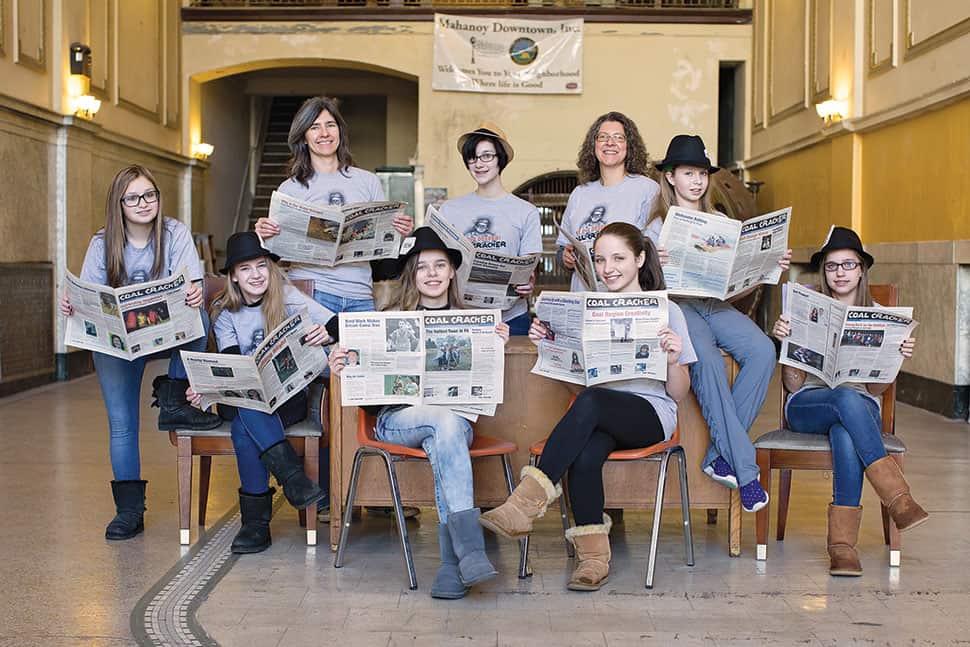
482, 447
659, 452
786, 450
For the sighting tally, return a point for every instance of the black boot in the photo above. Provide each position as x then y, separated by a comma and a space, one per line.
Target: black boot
256, 511
175, 412
285, 465
130, 503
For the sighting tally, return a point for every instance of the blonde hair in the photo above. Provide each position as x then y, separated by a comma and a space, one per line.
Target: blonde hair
273, 304
862, 295
408, 297
668, 197
116, 232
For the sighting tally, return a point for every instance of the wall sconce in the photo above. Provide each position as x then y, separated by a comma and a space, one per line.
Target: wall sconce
832, 110
201, 150
80, 102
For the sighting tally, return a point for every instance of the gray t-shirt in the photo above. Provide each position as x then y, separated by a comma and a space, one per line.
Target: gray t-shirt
655, 391
179, 252
507, 225
348, 280
245, 327
592, 206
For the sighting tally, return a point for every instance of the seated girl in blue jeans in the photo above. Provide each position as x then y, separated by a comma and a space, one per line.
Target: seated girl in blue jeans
428, 283
848, 414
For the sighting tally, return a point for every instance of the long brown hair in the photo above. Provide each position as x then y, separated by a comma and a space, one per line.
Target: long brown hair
273, 305
668, 197
408, 296
650, 276
299, 165
637, 160
116, 232
862, 295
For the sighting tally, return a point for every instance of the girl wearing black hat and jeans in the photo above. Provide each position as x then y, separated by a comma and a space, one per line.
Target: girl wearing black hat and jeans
848, 414
715, 324
258, 298
427, 283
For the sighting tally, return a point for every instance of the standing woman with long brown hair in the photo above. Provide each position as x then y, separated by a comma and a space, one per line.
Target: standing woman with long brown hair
139, 244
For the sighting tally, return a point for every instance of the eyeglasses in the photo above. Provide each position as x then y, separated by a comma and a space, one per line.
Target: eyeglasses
133, 199
616, 138
848, 266
484, 157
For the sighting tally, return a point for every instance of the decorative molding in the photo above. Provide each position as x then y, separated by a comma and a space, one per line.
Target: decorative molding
876, 66
172, 78
131, 105
816, 91
758, 69
103, 92
3, 27
914, 48
39, 62
801, 103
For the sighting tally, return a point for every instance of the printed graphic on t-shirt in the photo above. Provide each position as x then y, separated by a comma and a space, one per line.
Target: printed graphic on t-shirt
482, 237
336, 199
138, 276
591, 227
258, 335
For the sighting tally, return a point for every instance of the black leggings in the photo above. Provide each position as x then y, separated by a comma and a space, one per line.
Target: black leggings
600, 421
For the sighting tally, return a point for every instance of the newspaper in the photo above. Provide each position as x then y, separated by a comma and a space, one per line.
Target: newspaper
486, 279
277, 370
585, 267
132, 321
451, 357
328, 235
595, 337
839, 343
715, 256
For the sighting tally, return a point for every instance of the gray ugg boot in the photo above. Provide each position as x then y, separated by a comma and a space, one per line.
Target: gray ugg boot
447, 583
469, 544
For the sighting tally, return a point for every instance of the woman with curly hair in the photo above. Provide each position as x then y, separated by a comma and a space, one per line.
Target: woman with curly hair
613, 163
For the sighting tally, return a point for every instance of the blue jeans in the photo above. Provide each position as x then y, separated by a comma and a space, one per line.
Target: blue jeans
120, 381
854, 427
730, 411
445, 438
519, 325
253, 432
334, 304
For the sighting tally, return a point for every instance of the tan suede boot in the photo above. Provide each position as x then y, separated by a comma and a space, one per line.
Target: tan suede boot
593, 554
893, 490
513, 519
844, 523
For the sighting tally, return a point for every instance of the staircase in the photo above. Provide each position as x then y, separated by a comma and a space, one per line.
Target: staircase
276, 152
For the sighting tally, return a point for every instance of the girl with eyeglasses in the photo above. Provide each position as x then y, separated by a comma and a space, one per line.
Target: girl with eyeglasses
139, 244
492, 218
613, 164
849, 414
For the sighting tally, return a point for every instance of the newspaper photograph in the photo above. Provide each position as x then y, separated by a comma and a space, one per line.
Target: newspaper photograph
132, 321
452, 358
595, 337
839, 343
279, 368
585, 267
329, 235
485, 279
716, 256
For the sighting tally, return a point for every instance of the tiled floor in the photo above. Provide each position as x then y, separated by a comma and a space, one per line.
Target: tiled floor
63, 584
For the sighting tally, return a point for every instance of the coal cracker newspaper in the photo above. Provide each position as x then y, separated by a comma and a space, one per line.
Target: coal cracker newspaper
839, 343
279, 368
715, 256
328, 235
585, 267
452, 358
486, 279
132, 321
595, 337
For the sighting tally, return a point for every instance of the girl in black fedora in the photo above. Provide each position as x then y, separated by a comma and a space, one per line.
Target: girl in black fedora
715, 324
256, 299
848, 414
428, 283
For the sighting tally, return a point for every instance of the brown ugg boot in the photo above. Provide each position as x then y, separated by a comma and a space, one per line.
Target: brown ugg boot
893, 490
844, 523
592, 544
513, 519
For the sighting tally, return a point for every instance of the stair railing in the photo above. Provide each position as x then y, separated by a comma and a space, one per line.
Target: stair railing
260, 110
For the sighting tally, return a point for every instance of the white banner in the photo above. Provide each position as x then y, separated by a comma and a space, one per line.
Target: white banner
512, 55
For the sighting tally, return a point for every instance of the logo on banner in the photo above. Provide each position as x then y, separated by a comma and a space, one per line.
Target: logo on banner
523, 51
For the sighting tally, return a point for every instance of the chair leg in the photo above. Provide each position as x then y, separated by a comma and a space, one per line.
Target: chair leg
185, 488
784, 495
657, 513
402, 527
761, 516
564, 515
894, 540
348, 516
685, 505
311, 466
525, 542
524, 569
205, 470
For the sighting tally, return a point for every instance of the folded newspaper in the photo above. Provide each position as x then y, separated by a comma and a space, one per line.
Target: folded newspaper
585, 267
450, 357
131, 321
277, 370
596, 337
839, 343
327, 235
485, 279
715, 256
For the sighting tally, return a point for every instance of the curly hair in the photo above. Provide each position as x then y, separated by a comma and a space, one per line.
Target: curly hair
637, 159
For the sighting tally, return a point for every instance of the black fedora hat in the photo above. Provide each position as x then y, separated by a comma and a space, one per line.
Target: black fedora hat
421, 239
686, 150
244, 246
841, 238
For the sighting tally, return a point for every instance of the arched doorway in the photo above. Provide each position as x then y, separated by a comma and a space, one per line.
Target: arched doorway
549, 193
